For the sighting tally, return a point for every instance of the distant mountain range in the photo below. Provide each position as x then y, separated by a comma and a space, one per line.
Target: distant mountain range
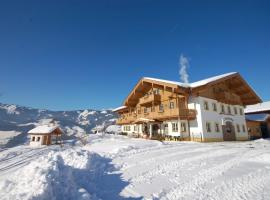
22, 119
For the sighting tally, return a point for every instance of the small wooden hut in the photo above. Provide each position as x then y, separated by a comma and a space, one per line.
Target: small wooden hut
45, 135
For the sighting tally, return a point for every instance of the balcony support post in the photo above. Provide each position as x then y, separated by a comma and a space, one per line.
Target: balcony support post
150, 130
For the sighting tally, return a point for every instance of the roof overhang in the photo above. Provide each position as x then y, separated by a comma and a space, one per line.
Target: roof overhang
236, 83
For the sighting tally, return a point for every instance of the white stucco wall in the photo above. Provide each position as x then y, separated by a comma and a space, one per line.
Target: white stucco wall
36, 143
199, 125
196, 129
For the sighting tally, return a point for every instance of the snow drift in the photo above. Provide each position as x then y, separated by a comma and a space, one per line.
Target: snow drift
58, 175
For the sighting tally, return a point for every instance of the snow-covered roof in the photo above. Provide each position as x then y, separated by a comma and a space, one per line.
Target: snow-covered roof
258, 108
194, 84
44, 129
119, 108
166, 81
257, 117
211, 79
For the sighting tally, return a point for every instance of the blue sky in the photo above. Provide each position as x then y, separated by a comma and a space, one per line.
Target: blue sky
65, 55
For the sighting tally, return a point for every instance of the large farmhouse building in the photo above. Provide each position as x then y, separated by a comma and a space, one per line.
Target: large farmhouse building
209, 110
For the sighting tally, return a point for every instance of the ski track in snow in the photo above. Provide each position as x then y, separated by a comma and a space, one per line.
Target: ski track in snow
163, 170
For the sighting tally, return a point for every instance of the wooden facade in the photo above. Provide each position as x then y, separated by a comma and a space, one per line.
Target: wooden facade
254, 129
156, 101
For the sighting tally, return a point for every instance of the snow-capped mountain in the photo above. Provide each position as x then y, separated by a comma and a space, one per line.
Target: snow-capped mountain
22, 119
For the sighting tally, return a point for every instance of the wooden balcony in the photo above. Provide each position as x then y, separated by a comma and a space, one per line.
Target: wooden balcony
166, 114
127, 119
228, 98
149, 99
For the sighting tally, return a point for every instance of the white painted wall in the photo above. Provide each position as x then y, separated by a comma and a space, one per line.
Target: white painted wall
199, 125
196, 129
36, 143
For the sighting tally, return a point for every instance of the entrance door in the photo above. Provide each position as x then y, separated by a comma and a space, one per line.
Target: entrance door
228, 131
155, 128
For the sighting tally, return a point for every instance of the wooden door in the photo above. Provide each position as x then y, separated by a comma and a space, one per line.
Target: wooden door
228, 131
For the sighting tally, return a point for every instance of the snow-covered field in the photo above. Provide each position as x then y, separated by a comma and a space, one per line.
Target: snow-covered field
118, 167
6, 136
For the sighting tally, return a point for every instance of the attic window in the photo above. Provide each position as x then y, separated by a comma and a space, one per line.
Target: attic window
33, 138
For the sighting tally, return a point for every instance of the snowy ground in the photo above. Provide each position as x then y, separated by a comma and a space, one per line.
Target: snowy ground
6, 136
117, 167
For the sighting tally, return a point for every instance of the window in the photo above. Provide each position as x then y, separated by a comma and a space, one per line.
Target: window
205, 105
208, 127
145, 110
217, 127
214, 105
161, 108
135, 128
171, 105
174, 127
244, 128
241, 111
183, 127
156, 91
238, 128
38, 139
235, 111
33, 138
222, 109
229, 110
139, 111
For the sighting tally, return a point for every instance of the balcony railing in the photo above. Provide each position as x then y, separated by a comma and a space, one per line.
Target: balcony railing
149, 99
186, 114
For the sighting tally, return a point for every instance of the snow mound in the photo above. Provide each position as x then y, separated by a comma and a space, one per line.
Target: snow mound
6, 136
75, 131
57, 175
115, 129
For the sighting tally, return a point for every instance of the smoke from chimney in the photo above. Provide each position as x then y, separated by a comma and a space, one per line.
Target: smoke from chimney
183, 65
